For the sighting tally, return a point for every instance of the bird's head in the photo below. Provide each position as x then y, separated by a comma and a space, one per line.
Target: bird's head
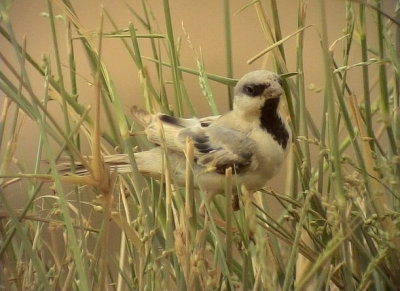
254, 88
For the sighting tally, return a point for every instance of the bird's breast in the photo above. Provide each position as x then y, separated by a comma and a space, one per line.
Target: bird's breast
269, 153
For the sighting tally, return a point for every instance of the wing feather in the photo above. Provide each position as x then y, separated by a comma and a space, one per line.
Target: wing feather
215, 146
221, 147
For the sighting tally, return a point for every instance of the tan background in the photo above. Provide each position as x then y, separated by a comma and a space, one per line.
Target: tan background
203, 22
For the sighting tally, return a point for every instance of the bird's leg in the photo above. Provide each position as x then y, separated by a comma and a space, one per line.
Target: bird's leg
210, 196
235, 202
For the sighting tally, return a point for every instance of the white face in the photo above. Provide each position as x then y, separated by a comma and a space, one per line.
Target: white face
254, 88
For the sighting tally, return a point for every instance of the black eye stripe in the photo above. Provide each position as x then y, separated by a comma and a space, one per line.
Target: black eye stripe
254, 90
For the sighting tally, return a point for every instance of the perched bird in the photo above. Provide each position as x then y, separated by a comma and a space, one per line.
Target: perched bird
252, 139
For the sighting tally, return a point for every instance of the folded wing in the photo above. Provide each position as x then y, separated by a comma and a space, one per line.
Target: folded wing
220, 147
215, 146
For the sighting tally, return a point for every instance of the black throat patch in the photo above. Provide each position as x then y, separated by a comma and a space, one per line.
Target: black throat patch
271, 121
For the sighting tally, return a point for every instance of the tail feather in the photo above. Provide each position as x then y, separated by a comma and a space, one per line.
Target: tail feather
161, 129
149, 164
143, 117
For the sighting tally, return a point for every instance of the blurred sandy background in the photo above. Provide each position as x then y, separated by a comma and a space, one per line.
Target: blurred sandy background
203, 22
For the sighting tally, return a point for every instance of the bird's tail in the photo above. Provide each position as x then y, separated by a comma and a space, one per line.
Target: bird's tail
143, 117
149, 163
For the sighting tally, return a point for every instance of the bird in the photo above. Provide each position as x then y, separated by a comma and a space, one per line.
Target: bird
252, 139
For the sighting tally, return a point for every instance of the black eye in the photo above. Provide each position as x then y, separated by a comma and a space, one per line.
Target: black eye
254, 90
248, 90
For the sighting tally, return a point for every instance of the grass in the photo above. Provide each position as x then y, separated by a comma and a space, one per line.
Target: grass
339, 223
